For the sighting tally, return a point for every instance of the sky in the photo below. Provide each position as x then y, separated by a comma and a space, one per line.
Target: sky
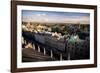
55, 17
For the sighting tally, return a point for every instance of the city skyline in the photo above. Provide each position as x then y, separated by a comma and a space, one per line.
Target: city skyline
55, 17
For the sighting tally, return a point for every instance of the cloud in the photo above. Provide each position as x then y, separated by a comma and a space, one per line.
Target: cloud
43, 17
